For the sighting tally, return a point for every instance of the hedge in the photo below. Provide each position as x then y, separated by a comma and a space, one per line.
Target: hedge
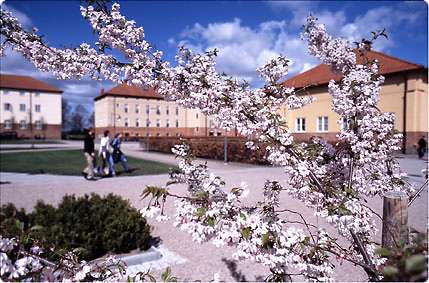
210, 148
93, 224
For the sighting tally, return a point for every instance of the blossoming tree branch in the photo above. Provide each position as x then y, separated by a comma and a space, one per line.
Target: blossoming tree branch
333, 179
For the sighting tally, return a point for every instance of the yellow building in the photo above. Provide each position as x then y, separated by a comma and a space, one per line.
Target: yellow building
29, 108
404, 92
138, 112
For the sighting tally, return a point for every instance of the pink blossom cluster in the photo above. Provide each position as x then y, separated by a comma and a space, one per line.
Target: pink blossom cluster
210, 213
19, 264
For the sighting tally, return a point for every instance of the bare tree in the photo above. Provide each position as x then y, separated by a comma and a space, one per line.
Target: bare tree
65, 114
78, 118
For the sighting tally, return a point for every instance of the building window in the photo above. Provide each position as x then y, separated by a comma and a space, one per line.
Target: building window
37, 94
177, 111
137, 122
22, 93
5, 92
126, 122
39, 125
158, 123
117, 105
8, 124
177, 123
158, 110
22, 107
37, 107
23, 124
157, 134
322, 124
137, 109
147, 109
147, 123
167, 123
126, 108
196, 115
7, 107
300, 125
167, 110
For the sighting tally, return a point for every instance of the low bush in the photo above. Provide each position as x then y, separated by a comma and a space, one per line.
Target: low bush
95, 225
210, 148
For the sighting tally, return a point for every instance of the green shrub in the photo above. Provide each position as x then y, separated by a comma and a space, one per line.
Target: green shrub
96, 225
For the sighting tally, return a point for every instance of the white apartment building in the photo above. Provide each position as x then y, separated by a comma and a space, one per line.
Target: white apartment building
31, 108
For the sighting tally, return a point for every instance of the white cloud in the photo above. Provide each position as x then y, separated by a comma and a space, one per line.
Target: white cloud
376, 19
172, 42
243, 49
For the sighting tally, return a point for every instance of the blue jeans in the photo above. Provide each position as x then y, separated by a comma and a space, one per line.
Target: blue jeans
124, 163
111, 164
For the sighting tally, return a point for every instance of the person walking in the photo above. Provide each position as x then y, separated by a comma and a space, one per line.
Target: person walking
107, 166
118, 155
89, 152
421, 147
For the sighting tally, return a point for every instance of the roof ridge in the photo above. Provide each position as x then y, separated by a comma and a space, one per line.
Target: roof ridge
26, 82
16, 75
317, 66
396, 58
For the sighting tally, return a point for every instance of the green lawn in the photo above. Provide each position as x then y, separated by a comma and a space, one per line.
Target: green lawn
9, 148
69, 162
30, 142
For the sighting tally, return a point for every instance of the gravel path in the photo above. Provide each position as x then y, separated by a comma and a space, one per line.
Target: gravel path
202, 261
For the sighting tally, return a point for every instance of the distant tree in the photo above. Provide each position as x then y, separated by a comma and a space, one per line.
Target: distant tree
91, 119
78, 118
65, 114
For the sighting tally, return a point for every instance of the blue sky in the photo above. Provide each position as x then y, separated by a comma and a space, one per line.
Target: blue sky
247, 33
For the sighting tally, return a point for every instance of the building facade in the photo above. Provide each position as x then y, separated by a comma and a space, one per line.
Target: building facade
29, 107
404, 92
138, 112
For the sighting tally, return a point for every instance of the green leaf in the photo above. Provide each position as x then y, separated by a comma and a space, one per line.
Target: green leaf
202, 195
383, 252
246, 232
265, 239
79, 251
20, 225
165, 276
201, 211
415, 263
390, 271
242, 215
211, 221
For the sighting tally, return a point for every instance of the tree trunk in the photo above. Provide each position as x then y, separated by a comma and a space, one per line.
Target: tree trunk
395, 219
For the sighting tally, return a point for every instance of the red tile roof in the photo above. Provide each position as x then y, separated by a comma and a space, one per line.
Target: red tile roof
125, 90
322, 74
25, 83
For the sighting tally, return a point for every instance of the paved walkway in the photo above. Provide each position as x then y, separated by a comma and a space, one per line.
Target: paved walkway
202, 260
